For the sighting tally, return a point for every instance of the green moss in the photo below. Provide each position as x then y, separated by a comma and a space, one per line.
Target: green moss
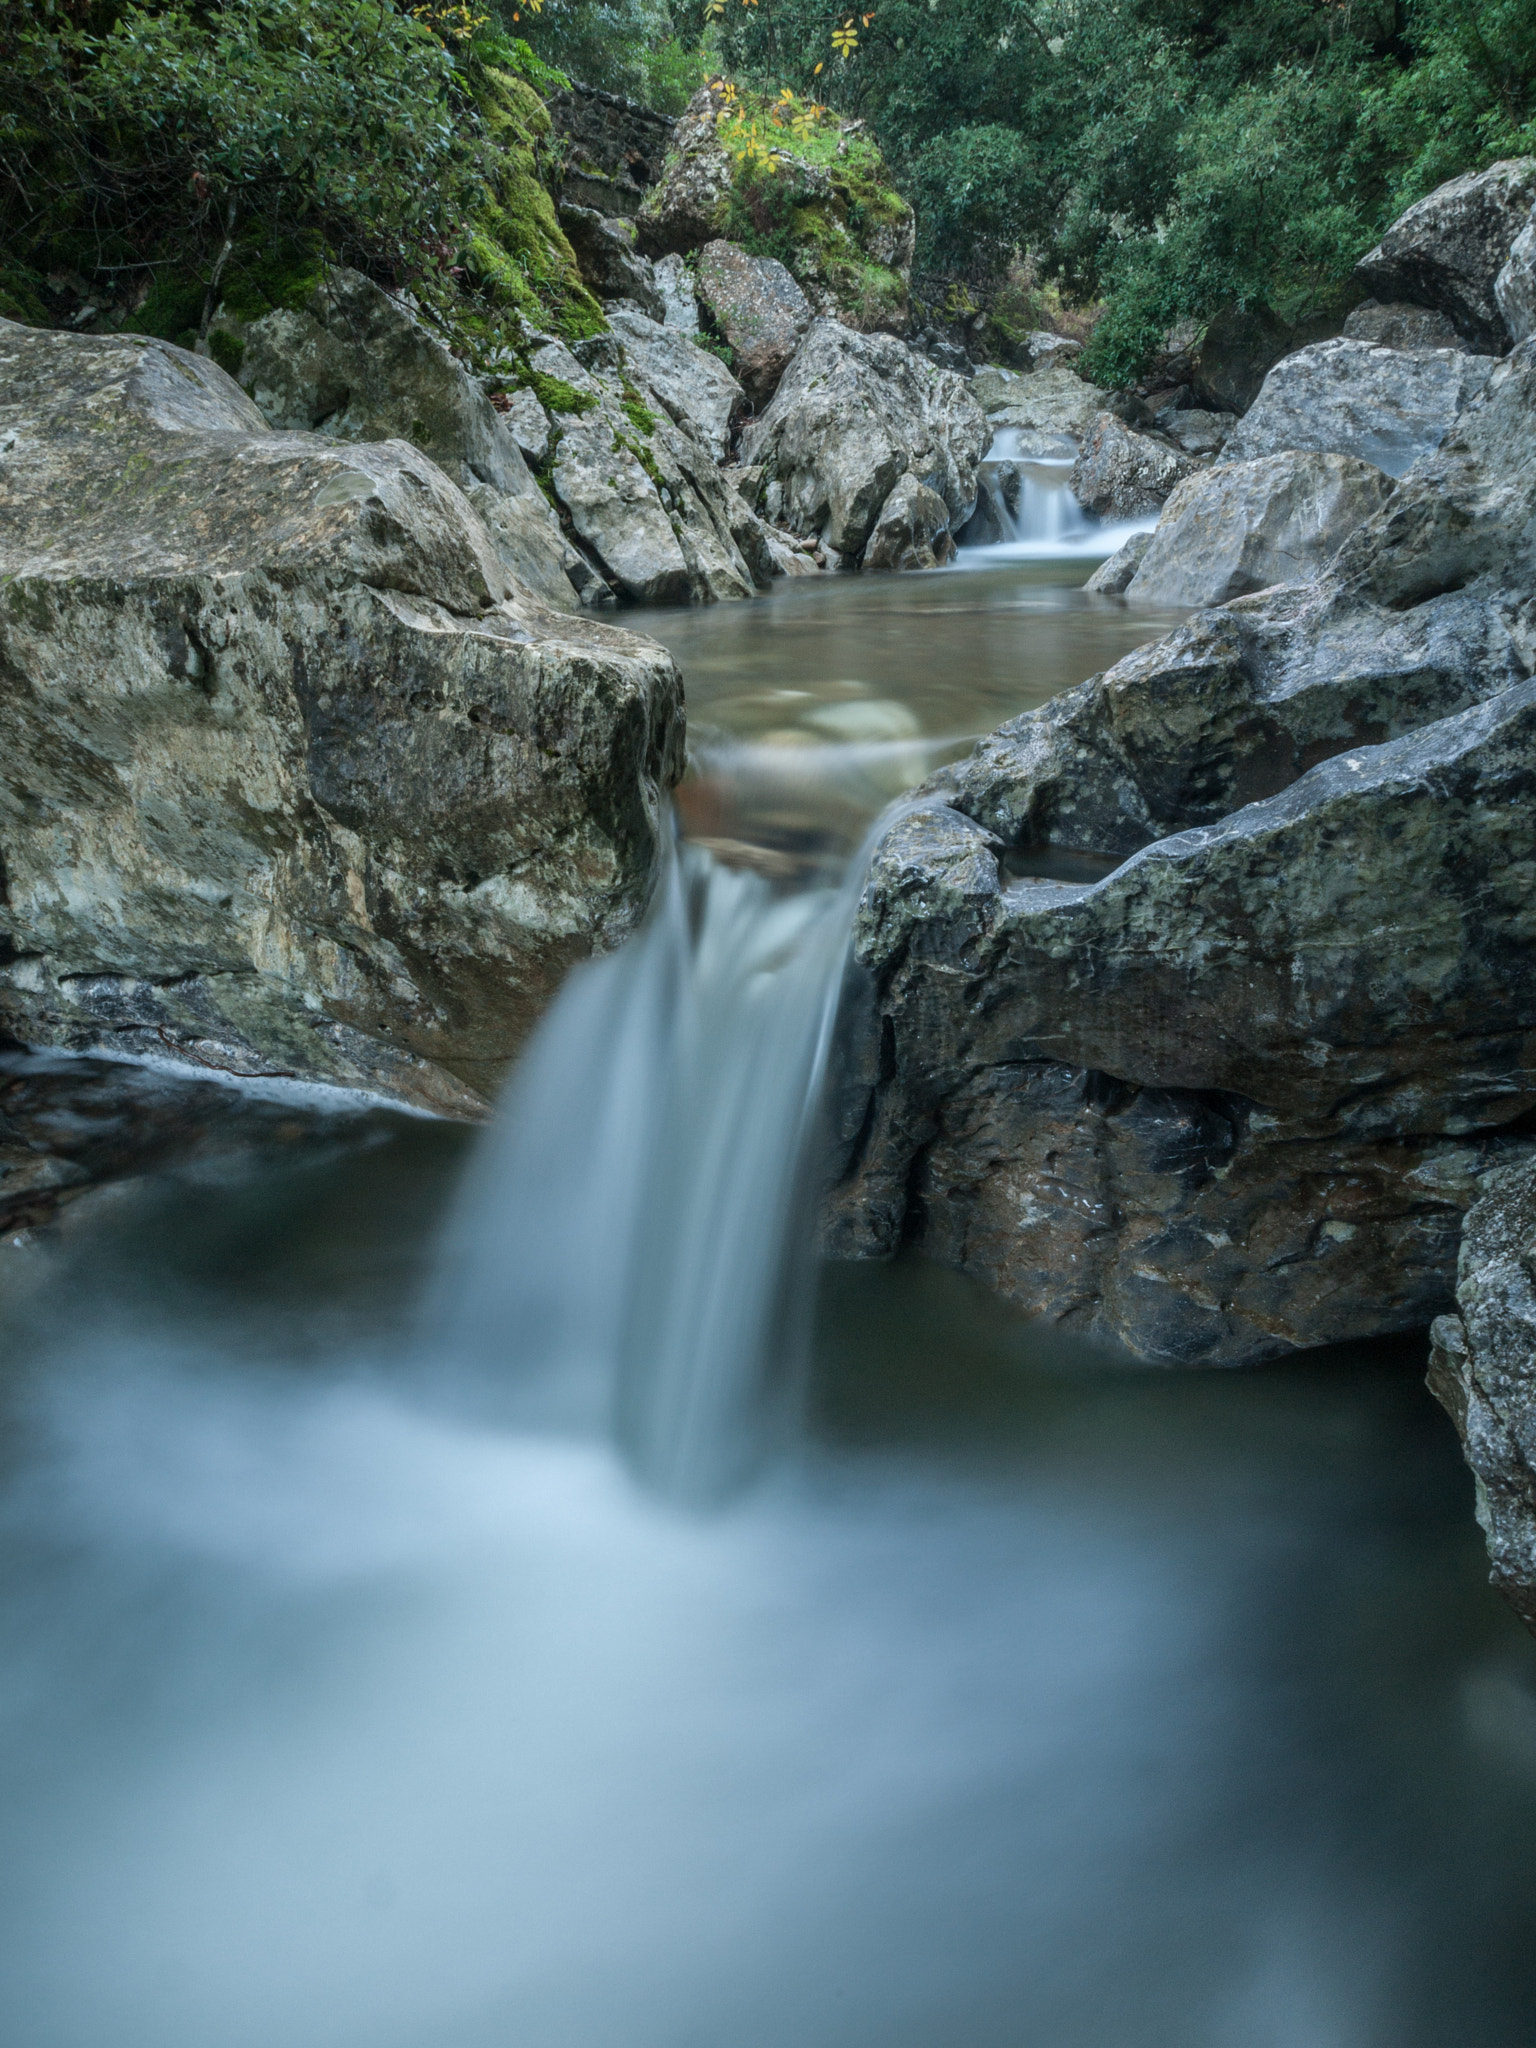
555, 395
227, 351
643, 456
640, 416
173, 308
263, 275
21, 296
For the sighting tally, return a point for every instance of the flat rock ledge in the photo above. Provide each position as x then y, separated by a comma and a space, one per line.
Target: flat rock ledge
296, 777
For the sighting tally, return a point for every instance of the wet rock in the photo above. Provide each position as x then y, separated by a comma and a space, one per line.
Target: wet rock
1401, 325
1121, 474
696, 388
999, 488
1515, 285
358, 365
758, 307
1388, 406
1483, 1370
1246, 525
912, 531
1202, 1001
852, 415
1448, 250
609, 261
1111, 578
294, 776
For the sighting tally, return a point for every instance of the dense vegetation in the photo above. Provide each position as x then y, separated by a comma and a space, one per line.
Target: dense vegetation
158, 155
1167, 156
1161, 158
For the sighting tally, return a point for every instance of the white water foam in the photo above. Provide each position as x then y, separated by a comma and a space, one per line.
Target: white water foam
1048, 523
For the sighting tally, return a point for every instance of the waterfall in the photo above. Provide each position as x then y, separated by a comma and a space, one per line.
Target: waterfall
1025, 507
636, 1233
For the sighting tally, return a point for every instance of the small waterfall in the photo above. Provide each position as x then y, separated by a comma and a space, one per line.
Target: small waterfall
635, 1236
1025, 507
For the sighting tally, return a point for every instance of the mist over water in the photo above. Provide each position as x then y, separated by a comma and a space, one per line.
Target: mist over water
371, 1675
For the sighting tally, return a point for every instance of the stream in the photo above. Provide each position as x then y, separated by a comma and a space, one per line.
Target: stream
464, 1591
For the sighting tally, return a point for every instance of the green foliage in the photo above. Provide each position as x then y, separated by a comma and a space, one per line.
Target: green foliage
638, 48
170, 154
555, 395
1166, 156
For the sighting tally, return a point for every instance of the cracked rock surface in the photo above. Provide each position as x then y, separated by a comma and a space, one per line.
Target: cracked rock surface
295, 776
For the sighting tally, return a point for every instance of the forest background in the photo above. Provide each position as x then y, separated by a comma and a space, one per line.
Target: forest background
1154, 161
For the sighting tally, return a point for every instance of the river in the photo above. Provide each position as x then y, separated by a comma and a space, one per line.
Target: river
357, 1692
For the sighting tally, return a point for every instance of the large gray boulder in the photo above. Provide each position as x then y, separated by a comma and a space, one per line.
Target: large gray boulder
698, 391
295, 777
1246, 525
1121, 474
852, 415
1198, 1005
1447, 251
357, 365
1483, 1369
1515, 285
1388, 406
1053, 400
758, 307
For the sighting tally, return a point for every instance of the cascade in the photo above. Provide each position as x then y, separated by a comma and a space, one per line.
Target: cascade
1024, 479
634, 1236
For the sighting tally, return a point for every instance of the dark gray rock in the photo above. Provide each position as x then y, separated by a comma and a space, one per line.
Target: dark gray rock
1203, 1000
1121, 474
1447, 251
912, 531
1237, 353
1111, 578
1483, 1370
1515, 285
294, 776
1400, 325
609, 261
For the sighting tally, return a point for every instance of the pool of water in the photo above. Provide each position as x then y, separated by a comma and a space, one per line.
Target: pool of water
1019, 1701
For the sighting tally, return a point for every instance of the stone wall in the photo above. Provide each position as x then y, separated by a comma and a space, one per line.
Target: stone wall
611, 150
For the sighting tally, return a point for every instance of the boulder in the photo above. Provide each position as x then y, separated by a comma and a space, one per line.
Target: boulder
1400, 325
528, 422
1050, 401
852, 415
912, 531
609, 261
1198, 1006
1515, 285
999, 490
643, 495
1388, 406
686, 206
1246, 525
674, 282
295, 777
358, 365
696, 388
1197, 432
1483, 1370
1447, 251
1237, 353
1111, 578
1121, 474
759, 309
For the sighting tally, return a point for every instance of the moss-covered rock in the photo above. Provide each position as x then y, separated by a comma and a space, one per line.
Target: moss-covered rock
787, 178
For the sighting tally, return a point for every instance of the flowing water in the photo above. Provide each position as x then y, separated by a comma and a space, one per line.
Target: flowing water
459, 1594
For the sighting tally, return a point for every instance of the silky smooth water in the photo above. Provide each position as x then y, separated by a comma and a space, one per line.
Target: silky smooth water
355, 1694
